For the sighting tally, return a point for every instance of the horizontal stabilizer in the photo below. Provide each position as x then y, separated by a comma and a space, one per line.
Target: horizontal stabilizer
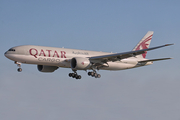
154, 60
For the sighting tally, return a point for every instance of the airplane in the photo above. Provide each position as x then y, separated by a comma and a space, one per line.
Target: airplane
49, 59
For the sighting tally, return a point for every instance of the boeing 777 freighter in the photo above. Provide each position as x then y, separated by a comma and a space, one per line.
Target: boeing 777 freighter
49, 59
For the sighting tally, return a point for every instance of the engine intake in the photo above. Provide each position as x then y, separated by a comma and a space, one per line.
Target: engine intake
79, 63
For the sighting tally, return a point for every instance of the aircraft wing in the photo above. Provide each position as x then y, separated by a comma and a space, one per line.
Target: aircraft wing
119, 56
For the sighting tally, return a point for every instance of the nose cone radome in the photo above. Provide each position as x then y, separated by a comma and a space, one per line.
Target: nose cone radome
5, 54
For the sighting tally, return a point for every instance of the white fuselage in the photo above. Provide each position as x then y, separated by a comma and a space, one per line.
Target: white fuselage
61, 57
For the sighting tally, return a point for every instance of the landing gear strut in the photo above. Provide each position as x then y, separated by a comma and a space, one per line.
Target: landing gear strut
75, 75
19, 65
94, 74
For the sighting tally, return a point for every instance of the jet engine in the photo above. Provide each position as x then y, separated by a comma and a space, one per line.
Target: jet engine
44, 68
79, 63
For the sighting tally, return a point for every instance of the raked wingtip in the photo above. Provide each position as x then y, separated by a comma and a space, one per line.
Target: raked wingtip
169, 44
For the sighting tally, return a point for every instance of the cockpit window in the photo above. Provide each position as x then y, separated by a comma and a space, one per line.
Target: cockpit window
11, 49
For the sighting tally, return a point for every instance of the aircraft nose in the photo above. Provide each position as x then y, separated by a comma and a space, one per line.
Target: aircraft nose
5, 54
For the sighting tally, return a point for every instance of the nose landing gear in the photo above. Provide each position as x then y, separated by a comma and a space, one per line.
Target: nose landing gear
19, 65
19, 69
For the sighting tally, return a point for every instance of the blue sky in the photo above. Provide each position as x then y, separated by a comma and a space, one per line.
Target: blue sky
150, 92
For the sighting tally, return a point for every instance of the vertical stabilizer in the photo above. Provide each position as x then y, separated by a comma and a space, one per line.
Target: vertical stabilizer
144, 44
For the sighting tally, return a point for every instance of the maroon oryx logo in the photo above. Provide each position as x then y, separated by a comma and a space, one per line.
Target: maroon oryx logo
143, 45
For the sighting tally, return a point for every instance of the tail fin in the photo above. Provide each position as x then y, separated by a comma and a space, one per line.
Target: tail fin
144, 44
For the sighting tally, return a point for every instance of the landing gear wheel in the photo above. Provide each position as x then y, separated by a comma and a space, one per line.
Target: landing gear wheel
89, 73
98, 75
19, 69
75, 75
94, 74
70, 74
78, 77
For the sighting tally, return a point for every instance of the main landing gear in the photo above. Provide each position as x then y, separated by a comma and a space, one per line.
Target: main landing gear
94, 74
19, 65
75, 75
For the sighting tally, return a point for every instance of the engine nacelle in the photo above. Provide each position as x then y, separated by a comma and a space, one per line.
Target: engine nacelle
44, 68
79, 63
